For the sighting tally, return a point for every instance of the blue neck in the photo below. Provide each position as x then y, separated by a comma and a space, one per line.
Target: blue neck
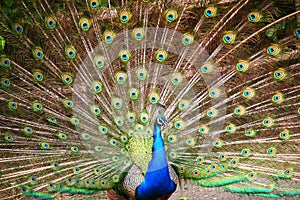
157, 182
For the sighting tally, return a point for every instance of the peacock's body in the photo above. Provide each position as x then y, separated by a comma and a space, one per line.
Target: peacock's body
150, 99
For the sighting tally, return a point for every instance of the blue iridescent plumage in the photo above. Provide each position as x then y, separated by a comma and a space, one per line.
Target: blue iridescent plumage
157, 182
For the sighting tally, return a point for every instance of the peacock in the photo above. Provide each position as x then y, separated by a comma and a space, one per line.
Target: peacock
149, 99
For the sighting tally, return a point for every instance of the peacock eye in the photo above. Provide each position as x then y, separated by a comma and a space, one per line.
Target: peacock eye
229, 37
254, 17
214, 92
268, 122
119, 121
273, 50
67, 78
141, 74
288, 173
183, 104
116, 178
239, 110
84, 24
190, 141
285, 134
5, 82
125, 16
187, 39
218, 143
212, 112
124, 139
38, 53
250, 132
94, 4
18, 28
67, 103
210, 12
74, 149
181, 169
50, 22
134, 93
234, 163
179, 124
176, 78
38, 75
280, 74
154, 97
242, 66
28, 131
171, 15
70, 52
251, 176
144, 117
5, 62
124, 55
138, 34
76, 170
62, 136
95, 110
44, 146
8, 138
231, 128
248, 93
297, 32
246, 152
99, 61
172, 138
130, 116
24, 189
98, 148
12, 105
195, 172
117, 103
200, 159
108, 36
74, 121
102, 129
97, 87
278, 98
120, 77
206, 68
85, 136
203, 129
271, 151
222, 157
113, 142
161, 55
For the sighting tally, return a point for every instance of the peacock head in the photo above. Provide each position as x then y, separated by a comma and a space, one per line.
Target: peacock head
161, 120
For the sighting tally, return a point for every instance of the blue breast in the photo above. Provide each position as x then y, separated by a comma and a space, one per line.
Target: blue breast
157, 182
